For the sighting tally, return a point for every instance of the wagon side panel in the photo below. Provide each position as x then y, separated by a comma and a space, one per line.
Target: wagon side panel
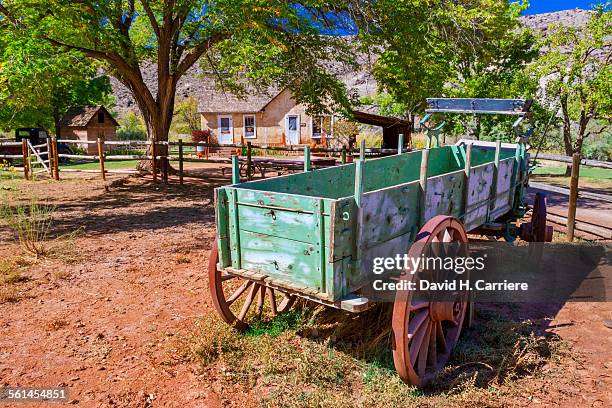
479, 191
444, 195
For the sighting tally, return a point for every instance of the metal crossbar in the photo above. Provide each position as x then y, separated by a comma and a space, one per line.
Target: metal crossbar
519, 107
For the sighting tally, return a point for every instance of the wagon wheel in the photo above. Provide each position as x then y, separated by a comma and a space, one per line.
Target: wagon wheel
238, 300
425, 331
244, 173
536, 230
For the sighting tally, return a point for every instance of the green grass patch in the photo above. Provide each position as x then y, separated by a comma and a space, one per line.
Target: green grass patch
585, 172
109, 165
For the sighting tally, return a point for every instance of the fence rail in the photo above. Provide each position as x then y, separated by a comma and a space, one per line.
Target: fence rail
48, 157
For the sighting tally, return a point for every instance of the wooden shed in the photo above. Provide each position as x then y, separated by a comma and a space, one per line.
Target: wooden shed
391, 127
88, 123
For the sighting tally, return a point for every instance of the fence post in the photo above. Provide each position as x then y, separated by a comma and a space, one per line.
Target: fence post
423, 185
55, 159
249, 162
101, 155
573, 197
400, 143
307, 164
49, 155
24, 153
235, 170
180, 157
154, 160
343, 155
362, 150
165, 161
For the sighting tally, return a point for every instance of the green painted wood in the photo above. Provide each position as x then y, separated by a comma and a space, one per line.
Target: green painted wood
222, 218
235, 170
292, 261
308, 227
280, 223
307, 164
319, 235
234, 228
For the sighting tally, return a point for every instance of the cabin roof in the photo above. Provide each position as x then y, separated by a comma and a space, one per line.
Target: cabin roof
80, 116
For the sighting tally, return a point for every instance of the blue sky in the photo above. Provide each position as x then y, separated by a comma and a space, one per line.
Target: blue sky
544, 6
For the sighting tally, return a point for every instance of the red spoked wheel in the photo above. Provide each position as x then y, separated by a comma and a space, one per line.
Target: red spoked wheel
536, 230
233, 296
425, 332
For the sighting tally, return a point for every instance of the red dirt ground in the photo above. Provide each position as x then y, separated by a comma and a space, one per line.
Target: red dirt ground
104, 325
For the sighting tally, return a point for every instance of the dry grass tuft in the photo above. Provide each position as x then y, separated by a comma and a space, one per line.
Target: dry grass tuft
315, 356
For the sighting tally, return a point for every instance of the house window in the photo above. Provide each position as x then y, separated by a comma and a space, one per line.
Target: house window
250, 130
321, 125
100, 117
317, 127
224, 124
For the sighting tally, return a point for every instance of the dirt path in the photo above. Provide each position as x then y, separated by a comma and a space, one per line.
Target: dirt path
103, 327
592, 213
106, 324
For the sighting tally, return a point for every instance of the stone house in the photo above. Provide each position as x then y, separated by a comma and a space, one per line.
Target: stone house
88, 123
273, 119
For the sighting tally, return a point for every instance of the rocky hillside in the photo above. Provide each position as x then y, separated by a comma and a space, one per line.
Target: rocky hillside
195, 84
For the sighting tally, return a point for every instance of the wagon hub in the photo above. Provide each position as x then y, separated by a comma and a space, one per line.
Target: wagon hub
440, 311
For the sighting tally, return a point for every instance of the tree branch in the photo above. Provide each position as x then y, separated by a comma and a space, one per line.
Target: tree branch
151, 15
199, 50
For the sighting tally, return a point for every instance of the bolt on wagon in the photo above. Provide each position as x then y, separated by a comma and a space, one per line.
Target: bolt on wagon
312, 234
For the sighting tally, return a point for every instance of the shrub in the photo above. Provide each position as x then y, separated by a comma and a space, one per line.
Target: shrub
600, 149
131, 128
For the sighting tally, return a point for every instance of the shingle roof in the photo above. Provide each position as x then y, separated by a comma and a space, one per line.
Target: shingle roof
225, 102
80, 116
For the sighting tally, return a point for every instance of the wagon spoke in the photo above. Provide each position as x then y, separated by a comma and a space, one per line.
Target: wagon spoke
419, 305
415, 323
248, 302
230, 300
272, 301
417, 341
424, 349
260, 301
433, 349
441, 337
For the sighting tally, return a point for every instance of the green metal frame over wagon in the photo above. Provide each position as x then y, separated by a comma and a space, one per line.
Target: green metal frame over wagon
314, 234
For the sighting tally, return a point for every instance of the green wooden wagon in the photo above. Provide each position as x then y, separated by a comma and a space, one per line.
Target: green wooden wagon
313, 234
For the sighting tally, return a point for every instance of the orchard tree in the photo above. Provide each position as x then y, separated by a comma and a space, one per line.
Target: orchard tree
38, 85
575, 69
437, 48
261, 41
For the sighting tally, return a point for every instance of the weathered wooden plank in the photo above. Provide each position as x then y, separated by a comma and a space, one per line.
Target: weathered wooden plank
284, 259
293, 225
234, 228
222, 219
389, 213
276, 199
503, 200
445, 195
479, 189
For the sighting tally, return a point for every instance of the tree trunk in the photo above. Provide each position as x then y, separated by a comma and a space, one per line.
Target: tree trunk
567, 134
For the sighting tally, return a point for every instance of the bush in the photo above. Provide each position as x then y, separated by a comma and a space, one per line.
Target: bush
600, 149
131, 128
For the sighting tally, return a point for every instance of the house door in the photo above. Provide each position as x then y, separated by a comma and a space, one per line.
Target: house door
292, 129
226, 130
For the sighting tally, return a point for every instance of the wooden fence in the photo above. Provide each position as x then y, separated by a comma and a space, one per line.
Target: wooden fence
209, 153
176, 152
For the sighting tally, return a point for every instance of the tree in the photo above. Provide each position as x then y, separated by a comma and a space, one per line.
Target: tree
441, 48
576, 72
38, 85
258, 40
186, 111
